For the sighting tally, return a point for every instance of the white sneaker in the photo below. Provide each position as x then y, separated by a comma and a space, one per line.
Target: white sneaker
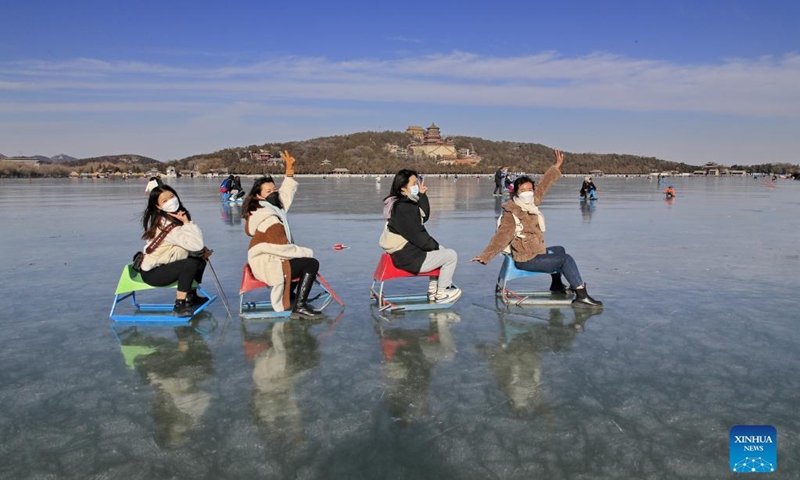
447, 295
433, 286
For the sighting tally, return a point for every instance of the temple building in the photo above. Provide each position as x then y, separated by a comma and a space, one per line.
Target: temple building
416, 132
432, 144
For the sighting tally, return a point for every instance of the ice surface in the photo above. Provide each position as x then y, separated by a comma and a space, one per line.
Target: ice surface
698, 335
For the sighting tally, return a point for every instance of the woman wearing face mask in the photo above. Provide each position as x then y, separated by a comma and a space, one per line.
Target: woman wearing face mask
272, 255
522, 227
406, 210
171, 236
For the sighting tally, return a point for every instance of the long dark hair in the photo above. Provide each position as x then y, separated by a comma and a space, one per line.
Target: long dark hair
250, 203
152, 216
518, 182
400, 181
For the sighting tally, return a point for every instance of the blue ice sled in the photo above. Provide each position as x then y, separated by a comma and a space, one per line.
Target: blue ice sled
130, 282
509, 272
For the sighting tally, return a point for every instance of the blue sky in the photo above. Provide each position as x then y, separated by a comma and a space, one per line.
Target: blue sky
690, 81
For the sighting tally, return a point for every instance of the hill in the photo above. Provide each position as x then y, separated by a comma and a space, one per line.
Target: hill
62, 158
123, 162
113, 163
366, 152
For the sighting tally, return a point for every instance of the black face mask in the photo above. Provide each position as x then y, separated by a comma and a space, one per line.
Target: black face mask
275, 199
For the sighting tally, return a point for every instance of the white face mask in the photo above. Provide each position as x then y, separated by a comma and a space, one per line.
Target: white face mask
171, 205
526, 197
414, 190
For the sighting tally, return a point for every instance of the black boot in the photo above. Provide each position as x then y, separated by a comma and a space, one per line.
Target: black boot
182, 309
301, 307
192, 298
583, 298
556, 285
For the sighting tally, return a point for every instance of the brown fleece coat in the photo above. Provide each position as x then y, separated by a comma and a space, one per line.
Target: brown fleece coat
530, 241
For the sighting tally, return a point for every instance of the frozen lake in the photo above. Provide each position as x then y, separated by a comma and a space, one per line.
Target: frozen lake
698, 334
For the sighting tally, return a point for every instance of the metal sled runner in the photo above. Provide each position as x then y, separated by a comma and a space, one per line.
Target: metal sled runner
509, 272
386, 271
264, 309
131, 282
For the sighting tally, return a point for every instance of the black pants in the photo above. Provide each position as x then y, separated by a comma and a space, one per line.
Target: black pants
184, 271
301, 266
498, 188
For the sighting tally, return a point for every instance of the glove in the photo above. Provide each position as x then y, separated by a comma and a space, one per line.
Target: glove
289, 160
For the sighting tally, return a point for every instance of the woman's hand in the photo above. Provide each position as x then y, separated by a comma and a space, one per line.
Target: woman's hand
289, 160
479, 260
559, 158
180, 215
422, 187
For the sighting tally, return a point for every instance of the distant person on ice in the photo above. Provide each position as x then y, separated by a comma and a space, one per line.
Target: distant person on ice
521, 228
499, 175
225, 186
588, 187
670, 191
236, 189
406, 210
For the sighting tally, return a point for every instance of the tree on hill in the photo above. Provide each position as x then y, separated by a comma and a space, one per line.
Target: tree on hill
366, 152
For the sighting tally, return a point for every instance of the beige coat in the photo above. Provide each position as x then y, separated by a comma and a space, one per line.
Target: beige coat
270, 249
175, 246
528, 242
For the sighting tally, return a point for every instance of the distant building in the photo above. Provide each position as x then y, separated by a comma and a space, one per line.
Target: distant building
433, 145
340, 171
416, 132
715, 169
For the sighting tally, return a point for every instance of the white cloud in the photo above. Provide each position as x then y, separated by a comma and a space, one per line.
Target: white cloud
103, 106
760, 87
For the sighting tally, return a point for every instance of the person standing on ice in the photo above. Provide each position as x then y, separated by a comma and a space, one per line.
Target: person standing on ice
499, 175
521, 230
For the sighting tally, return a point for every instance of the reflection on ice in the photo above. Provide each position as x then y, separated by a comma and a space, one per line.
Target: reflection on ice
281, 355
516, 360
409, 355
175, 363
697, 334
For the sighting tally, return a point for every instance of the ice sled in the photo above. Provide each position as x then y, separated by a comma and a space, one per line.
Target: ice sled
263, 308
509, 272
386, 271
227, 198
591, 195
130, 282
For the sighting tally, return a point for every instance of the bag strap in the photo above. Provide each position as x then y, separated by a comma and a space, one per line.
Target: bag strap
159, 238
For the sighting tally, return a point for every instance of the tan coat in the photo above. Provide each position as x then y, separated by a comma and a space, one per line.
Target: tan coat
175, 246
270, 250
530, 241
